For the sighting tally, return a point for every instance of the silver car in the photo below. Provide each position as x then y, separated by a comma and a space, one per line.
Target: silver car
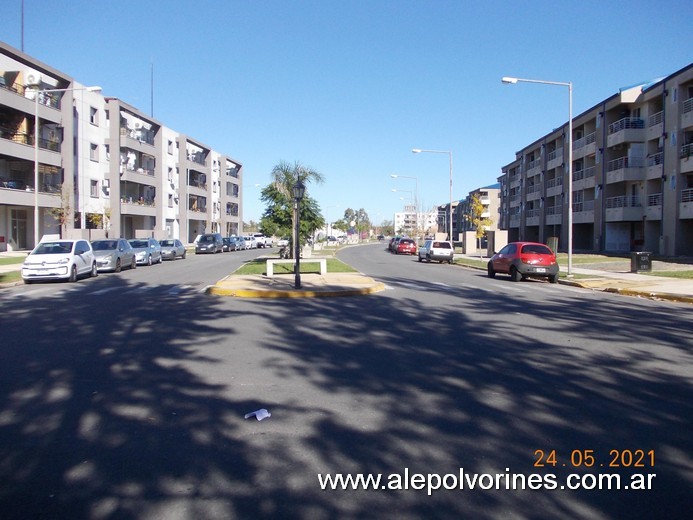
172, 249
113, 255
147, 251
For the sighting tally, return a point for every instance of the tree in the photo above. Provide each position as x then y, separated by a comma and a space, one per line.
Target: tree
359, 218
479, 222
279, 216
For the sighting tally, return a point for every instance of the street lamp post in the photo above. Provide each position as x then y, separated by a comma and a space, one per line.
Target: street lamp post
38, 92
449, 152
299, 191
416, 196
512, 81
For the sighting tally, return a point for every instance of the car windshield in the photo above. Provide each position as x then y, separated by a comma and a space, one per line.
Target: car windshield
536, 249
139, 243
166, 243
205, 238
53, 248
104, 245
442, 245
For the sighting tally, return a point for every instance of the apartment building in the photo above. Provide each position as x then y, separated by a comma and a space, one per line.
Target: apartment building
95, 166
632, 180
489, 197
413, 223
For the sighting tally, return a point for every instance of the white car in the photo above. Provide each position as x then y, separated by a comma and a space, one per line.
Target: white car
440, 250
283, 242
250, 242
59, 259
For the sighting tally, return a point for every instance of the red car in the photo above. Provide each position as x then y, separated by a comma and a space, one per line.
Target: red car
406, 246
524, 259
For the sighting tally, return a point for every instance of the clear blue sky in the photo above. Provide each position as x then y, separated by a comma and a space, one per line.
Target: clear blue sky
349, 87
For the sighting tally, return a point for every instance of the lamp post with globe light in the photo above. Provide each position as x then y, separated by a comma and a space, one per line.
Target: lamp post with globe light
299, 190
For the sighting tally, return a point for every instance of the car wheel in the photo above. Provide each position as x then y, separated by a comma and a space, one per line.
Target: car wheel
553, 278
94, 271
515, 274
490, 270
161, 259
133, 264
149, 260
183, 257
28, 282
420, 259
118, 267
73, 274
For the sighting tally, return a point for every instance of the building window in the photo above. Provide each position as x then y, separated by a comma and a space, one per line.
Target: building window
170, 147
94, 116
170, 200
94, 188
94, 152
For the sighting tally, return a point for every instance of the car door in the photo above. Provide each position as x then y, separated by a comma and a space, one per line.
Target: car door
505, 258
83, 257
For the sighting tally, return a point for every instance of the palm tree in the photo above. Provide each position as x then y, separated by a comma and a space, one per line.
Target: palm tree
285, 176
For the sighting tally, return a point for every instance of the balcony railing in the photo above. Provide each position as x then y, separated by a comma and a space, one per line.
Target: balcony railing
558, 181
687, 195
625, 124
654, 200
623, 202
554, 210
625, 162
655, 119
688, 105
655, 159
579, 207
686, 150
584, 141
585, 173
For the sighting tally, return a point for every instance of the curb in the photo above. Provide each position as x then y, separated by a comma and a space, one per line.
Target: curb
295, 293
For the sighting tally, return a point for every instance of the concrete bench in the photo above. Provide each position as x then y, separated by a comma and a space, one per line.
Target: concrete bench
272, 261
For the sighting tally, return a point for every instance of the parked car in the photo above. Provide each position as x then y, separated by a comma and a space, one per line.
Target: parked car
228, 244
209, 243
406, 246
147, 251
524, 259
332, 241
394, 241
59, 259
440, 250
283, 242
113, 254
262, 240
250, 242
240, 243
172, 249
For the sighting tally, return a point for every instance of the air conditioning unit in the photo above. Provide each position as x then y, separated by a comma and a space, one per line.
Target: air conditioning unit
138, 125
33, 78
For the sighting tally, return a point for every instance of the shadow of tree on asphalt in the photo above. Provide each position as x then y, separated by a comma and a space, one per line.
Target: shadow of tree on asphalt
143, 418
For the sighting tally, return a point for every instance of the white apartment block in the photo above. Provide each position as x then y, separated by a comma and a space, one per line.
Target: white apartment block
101, 167
412, 223
632, 179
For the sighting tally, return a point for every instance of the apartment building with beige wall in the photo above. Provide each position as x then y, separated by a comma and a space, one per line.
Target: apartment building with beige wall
632, 179
105, 168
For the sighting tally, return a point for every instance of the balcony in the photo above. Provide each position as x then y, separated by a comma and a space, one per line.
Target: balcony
655, 165
687, 114
653, 211
624, 169
585, 146
554, 215
137, 206
554, 187
686, 156
534, 191
655, 126
626, 130
534, 167
686, 205
623, 209
554, 159
584, 179
583, 212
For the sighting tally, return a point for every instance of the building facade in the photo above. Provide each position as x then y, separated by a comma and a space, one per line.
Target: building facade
632, 180
77, 163
412, 223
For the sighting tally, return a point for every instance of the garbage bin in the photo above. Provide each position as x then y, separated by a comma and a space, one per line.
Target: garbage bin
640, 261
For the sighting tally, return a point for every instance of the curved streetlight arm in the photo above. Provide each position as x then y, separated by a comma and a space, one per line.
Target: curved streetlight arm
449, 152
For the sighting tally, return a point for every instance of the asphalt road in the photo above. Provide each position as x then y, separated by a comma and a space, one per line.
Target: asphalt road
124, 397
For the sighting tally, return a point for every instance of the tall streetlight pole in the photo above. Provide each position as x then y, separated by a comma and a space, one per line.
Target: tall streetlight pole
299, 191
449, 152
38, 93
512, 81
416, 196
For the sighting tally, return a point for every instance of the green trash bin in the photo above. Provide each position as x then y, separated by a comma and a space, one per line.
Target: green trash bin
640, 261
